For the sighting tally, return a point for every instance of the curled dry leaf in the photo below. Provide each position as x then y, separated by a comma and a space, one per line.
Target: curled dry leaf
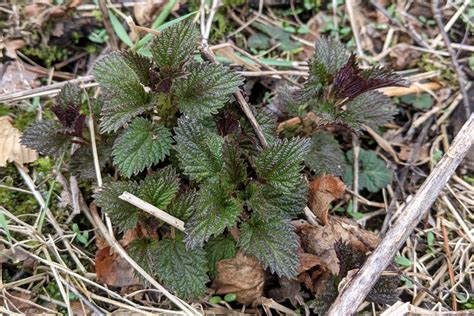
322, 191
310, 270
320, 240
114, 270
10, 148
242, 275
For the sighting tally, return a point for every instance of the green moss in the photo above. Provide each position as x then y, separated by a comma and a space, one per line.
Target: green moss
47, 55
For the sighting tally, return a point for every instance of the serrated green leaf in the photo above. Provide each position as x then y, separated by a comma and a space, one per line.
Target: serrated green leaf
70, 94
235, 168
249, 139
82, 161
122, 214
160, 188
217, 249
215, 210
181, 206
184, 271
273, 243
174, 46
280, 163
371, 108
325, 155
373, 174
144, 252
270, 202
45, 137
140, 146
205, 89
329, 56
199, 149
123, 76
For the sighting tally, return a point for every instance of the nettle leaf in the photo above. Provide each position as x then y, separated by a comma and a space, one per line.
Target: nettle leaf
373, 174
199, 149
280, 163
182, 205
160, 188
235, 168
205, 89
351, 81
67, 110
173, 47
144, 251
215, 210
182, 270
81, 163
217, 249
140, 146
287, 204
371, 108
122, 214
46, 138
123, 76
70, 95
329, 56
325, 155
273, 243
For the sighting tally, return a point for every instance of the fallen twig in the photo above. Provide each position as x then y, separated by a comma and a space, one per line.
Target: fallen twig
153, 210
358, 288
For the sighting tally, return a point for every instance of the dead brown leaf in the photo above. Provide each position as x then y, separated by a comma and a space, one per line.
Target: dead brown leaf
404, 57
12, 46
80, 309
242, 275
422, 154
319, 240
10, 148
17, 78
114, 270
322, 191
310, 270
145, 11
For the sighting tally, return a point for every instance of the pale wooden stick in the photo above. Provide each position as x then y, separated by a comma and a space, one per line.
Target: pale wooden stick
358, 288
153, 210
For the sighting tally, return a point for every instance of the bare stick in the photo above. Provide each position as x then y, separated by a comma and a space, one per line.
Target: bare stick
207, 54
462, 84
358, 288
355, 172
153, 210
108, 26
46, 90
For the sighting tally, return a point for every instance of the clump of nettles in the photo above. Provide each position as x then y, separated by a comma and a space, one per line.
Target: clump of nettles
341, 94
184, 147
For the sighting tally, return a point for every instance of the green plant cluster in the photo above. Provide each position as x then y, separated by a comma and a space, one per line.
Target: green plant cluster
170, 127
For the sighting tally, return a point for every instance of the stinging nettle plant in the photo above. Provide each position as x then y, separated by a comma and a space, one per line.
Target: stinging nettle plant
171, 129
341, 94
